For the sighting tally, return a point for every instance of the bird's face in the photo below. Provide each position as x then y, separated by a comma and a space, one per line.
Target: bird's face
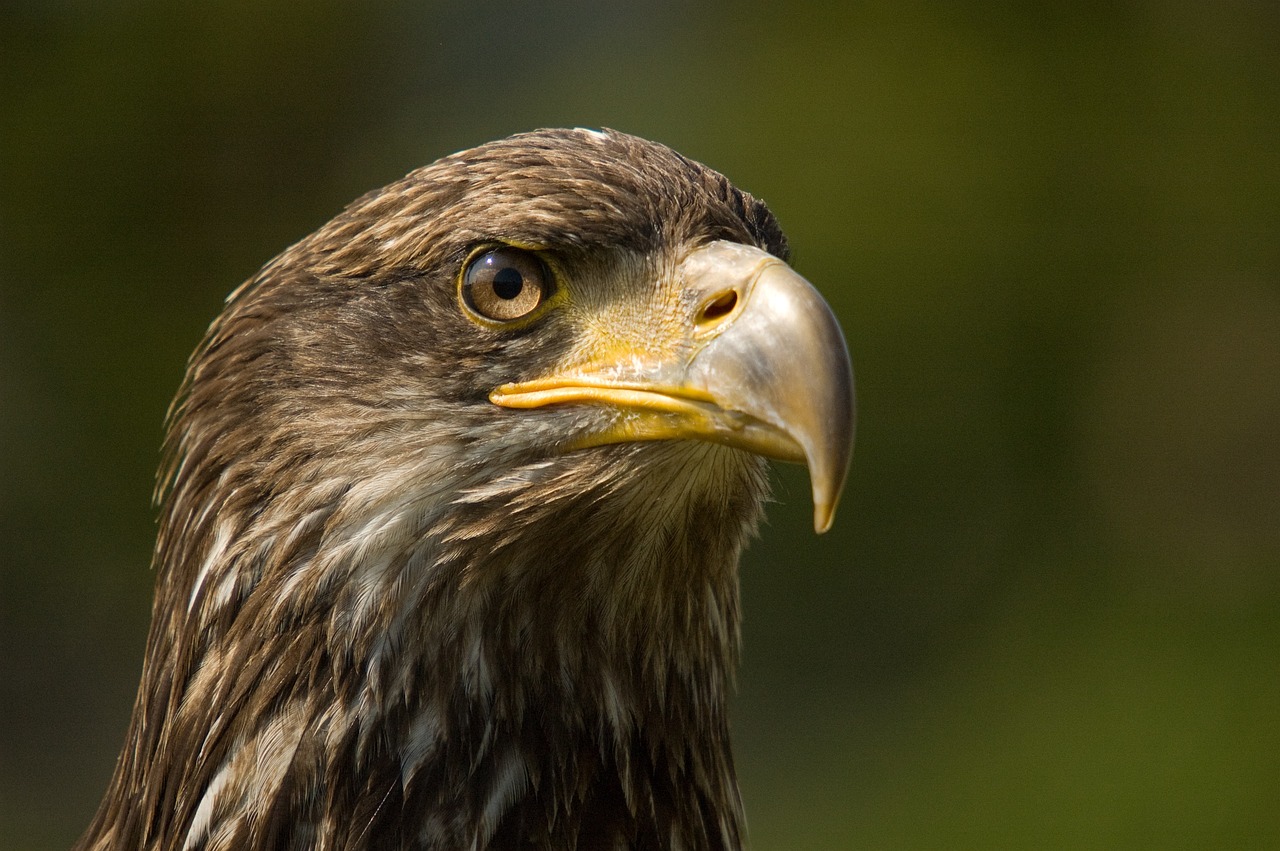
555, 318
579, 291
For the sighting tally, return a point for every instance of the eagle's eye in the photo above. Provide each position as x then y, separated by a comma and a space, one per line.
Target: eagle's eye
504, 283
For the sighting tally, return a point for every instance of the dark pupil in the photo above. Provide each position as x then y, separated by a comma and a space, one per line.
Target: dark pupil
508, 283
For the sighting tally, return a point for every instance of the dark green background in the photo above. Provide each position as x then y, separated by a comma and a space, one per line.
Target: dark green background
1048, 613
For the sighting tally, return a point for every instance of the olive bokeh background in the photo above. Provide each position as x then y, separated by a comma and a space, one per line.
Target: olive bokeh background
1049, 612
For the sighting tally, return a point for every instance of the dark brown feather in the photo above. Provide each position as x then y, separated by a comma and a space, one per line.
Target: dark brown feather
389, 614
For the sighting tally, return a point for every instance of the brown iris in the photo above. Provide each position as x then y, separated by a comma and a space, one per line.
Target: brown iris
505, 283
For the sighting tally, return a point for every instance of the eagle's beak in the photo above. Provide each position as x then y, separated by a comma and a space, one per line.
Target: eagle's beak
761, 366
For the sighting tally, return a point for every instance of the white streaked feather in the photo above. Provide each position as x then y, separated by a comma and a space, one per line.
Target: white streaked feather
258, 768
200, 823
217, 551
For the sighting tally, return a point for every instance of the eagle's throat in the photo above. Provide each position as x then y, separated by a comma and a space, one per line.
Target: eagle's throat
581, 667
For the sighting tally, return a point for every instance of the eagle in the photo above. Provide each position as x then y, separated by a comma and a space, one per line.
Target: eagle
452, 501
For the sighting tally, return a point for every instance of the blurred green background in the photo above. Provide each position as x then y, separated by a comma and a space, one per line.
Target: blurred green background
1049, 613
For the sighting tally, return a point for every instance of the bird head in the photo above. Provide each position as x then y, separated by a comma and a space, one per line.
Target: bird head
472, 464
515, 329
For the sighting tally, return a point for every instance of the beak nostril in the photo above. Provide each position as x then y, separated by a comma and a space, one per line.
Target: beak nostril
718, 308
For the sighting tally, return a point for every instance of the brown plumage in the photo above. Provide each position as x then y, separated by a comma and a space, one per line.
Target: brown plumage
405, 601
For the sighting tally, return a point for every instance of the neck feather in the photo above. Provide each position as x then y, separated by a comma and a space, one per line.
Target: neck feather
540, 659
